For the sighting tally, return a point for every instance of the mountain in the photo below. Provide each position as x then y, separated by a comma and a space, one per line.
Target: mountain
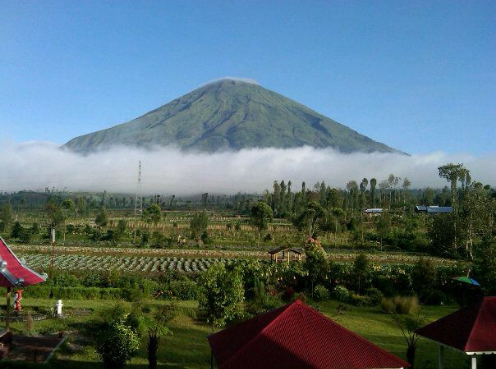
230, 115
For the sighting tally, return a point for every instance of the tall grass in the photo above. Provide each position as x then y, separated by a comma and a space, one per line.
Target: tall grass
400, 305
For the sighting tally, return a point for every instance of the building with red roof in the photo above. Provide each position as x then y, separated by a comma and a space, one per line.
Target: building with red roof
13, 273
471, 330
296, 336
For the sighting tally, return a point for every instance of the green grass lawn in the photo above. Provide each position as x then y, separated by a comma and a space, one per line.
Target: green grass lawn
188, 346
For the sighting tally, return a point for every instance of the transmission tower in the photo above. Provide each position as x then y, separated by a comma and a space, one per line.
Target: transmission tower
138, 201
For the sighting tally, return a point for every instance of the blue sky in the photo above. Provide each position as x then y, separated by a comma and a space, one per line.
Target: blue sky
419, 76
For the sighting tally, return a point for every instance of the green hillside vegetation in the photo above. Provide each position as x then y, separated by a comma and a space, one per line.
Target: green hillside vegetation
230, 115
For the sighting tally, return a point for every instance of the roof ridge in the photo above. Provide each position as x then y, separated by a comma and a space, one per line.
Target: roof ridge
44, 277
283, 308
476, 320
303, 318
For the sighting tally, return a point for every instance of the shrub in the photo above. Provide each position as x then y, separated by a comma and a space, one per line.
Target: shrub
375, 296
206, 238
320, 293
268, 237
25, 236
131, 294
184, 290
190, 313
17, 230
74, 293
400, 305
387, 305
358, 300
221, 294
301, 296
436, 297
288, 294
385, 285
116, 344
166, 313
341, 293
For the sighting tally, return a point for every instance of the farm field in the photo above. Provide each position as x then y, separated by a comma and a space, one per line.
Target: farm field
182, 260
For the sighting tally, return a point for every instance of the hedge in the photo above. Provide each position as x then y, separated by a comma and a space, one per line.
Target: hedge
76, 293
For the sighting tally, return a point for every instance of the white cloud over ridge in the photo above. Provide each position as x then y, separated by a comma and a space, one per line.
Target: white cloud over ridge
36, 165
235, 79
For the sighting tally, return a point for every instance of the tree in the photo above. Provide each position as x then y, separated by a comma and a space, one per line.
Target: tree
221, 294
361, 269
352, 188
406, 185
453, 173
423, 279
116, 344
276, 197
363, 189
383, 226
198, 224
408, 325
283, 202
152, 347
261, 215
309, 220
152, 214
485, 265
442, 232
101, 219
373, 185
69, 207
54, 212
121, 227
6, 215
476, 215
17, 230
315, 263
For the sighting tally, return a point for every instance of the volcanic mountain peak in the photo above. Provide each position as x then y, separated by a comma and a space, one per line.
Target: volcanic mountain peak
230, 114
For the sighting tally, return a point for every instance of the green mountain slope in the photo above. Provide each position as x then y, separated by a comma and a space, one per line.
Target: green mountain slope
230, 115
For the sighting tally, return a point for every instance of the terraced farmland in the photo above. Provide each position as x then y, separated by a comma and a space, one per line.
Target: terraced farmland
143, 264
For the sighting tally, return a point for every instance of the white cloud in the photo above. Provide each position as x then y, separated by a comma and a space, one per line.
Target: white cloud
236, 79
36, 165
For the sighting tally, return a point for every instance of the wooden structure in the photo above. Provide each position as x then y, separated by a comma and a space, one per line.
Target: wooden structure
471, 330
296, 336
285, 253
14, 274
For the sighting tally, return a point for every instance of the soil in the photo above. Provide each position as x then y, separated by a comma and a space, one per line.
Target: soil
32, 349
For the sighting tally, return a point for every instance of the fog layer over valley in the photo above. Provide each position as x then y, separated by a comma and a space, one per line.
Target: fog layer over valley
36, 165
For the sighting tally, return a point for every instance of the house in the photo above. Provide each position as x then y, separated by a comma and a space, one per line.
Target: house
433, 209
285, 253
471, 330
296, 336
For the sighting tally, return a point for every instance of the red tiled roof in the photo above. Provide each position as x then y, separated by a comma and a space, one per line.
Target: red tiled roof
472, 329
12, 272
295, 336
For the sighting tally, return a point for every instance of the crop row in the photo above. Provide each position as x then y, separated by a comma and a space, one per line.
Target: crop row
124, 263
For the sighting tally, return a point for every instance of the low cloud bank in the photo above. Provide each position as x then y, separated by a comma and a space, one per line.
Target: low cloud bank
36, 165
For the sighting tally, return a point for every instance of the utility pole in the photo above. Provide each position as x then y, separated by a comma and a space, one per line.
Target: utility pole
52, 257
138, 201
138, 207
